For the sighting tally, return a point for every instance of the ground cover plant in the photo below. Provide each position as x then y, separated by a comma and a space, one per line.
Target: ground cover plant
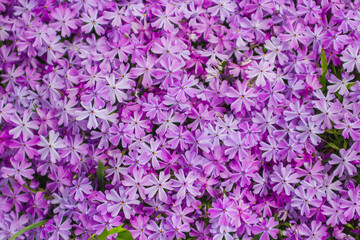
164, 119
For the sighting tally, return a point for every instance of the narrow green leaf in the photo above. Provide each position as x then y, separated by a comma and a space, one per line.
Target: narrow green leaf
348, 86
350, 226
103, 235
124, 235
117, 230
276, 216
257, 237
100, 175
32, 226
331, 131
332, 145
324, 68
92, 237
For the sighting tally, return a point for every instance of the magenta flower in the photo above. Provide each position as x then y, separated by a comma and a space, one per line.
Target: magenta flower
221, 210
346, 161
23, 126
236, 145
61, 178
304, 199
46, 120
244, 96
74, 148
294, 35
137, 183
349, 126
92, 113
6, 111
262, 71
65, 20
139, 223
60, 228
317, 231
116, 88
334, 212
185, 185
159, 186
145, 67
81, 186
23, 147
93, 21
222, 7
105, 222
19, 170
267, 229
166, 19
51, 146
309, 131
120, 201
283, 177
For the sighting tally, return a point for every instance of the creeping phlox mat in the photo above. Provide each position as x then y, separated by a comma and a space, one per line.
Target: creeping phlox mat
173, 119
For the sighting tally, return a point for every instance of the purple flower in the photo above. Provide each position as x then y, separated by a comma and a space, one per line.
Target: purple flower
175, 228
81, 186
65, 21
309, 131
23, 126
345, 161
139, 223
93, 21
60, 228
283, 177
166, 19
334, 212
159, 186
221, 210
51, 146
317, 231
222, 7
262, 71
244, 96
120, 201
92, 113
267, 229
19, 170
185, 184
137, 183
304, 199
294, 33
236, 145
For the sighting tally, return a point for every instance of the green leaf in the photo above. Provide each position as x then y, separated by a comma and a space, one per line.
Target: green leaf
100, 175
331, 131
350, 226
348, 86
124, 235
117, 230
324, 68
257, 237
276, 216
332, 145
32, 226
103, 235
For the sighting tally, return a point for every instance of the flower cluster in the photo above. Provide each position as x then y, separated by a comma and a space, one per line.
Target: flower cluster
202, 119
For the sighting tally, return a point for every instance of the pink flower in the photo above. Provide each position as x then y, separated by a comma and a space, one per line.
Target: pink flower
267, 229
50, 146
18, 171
